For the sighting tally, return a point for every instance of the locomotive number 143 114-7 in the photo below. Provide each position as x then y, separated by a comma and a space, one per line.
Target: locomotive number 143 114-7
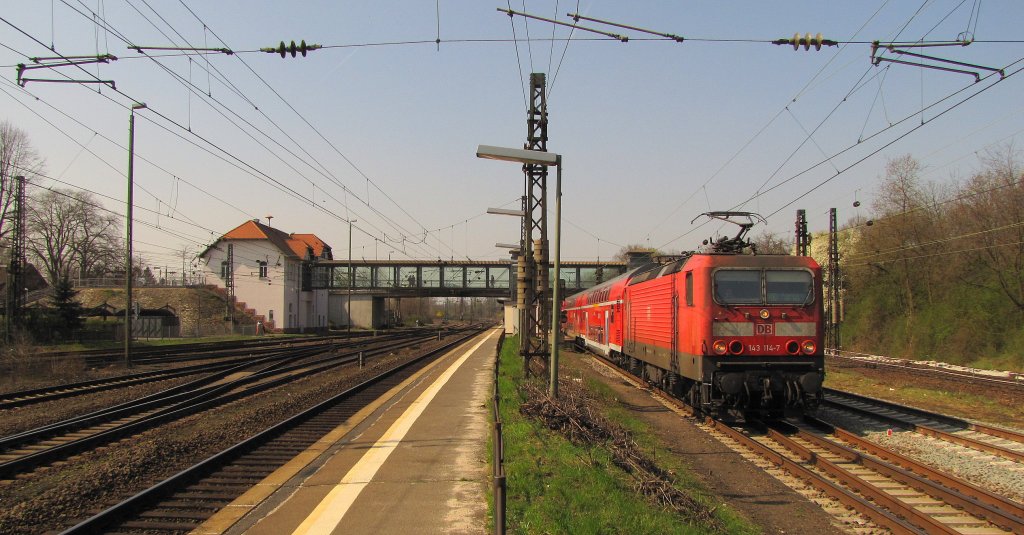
769, 348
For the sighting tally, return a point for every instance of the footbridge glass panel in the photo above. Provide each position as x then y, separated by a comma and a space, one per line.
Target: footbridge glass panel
431, 277
454, 276
445, 278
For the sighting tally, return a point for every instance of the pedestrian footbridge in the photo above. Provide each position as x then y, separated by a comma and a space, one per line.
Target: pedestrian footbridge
441, 278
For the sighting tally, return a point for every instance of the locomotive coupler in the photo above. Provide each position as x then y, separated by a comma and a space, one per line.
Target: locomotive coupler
766, 390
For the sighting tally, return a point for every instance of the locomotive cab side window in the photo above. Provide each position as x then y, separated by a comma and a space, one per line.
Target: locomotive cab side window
789, 287
689, 288
738, 286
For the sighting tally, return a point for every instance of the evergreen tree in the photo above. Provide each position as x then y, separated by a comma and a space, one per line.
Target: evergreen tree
69, 311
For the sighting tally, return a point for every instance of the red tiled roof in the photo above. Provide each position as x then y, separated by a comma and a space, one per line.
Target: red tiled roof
313, 241
250, 230
294, 245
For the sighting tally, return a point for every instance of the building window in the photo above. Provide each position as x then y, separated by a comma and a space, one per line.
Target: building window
224, 270
271, 315
263, 269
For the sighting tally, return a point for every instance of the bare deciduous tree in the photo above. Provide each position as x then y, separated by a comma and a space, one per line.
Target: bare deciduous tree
769, 242
991, 212
17, 158
70, 233
623, 253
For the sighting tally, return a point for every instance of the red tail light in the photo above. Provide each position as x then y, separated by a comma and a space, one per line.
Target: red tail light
736, 347
792, 347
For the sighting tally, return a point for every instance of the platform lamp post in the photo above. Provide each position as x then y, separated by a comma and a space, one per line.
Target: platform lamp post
535, 157
351, 277
514, 251
128, 238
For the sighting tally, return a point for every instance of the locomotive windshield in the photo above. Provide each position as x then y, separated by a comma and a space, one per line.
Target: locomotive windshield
738, 286
780, 287
788, 287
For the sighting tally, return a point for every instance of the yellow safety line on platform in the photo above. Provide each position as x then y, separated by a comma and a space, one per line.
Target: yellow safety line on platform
328, 514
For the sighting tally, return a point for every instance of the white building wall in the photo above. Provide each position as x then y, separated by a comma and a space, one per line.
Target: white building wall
277, 296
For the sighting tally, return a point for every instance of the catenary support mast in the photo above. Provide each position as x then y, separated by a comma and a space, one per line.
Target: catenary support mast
532, 272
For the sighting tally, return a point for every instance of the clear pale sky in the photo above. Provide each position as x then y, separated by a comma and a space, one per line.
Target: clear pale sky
652, 132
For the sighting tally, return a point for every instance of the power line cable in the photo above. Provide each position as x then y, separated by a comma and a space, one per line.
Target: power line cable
352, 164
279, 186
905, 134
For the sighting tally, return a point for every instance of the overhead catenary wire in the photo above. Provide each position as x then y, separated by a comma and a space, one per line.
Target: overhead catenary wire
931, 255
218, 151
118, 145
905, 134
931, 243
325, 139
552, 40
799, 94
231, 86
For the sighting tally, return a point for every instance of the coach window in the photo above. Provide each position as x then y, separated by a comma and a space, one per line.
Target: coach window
689, 288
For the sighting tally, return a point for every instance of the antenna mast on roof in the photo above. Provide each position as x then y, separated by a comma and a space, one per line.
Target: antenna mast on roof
269, 218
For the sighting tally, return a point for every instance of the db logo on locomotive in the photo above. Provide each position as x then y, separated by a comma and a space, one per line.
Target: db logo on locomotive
765, 328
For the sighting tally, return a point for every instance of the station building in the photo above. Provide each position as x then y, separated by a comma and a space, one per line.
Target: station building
271, 273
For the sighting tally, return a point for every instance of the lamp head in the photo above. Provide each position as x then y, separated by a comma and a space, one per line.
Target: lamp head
534, 157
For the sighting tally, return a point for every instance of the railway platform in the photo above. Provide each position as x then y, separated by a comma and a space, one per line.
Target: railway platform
415, 461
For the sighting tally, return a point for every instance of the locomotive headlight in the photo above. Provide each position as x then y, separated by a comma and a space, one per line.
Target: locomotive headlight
808, 346
764, 314
719, 346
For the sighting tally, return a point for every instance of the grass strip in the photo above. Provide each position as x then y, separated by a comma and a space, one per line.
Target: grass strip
559, 486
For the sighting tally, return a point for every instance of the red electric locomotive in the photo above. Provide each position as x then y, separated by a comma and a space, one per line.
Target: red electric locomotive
726, 331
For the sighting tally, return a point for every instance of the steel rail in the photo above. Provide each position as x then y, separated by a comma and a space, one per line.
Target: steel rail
863, 487
927, 430
925, 370
976, 500
106, 356
162, 398
999, 432
38, 395
881, 516
50, 393
102, 521
199, 401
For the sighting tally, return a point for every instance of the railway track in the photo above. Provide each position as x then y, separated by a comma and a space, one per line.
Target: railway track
891, 490
176, 353
892, 497
1012, 382
1004, 443
226, 359
42, 446
180, 503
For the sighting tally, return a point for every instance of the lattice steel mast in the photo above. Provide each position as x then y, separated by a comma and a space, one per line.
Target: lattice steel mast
15, 303
532, 273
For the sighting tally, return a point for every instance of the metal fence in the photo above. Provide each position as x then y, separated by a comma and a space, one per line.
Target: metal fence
138, 282
499, 449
